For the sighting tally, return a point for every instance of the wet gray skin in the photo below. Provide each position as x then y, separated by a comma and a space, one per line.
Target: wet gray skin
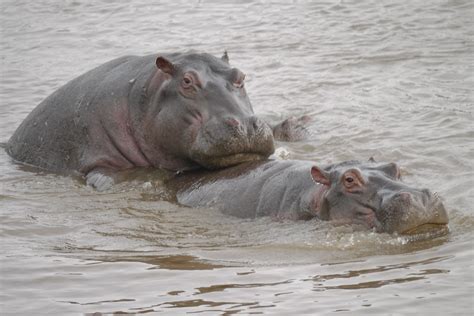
175, 111
367, 195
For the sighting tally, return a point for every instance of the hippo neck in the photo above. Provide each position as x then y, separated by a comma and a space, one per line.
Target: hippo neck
289, 192
143, 95
316, 201
300, 197
134, 150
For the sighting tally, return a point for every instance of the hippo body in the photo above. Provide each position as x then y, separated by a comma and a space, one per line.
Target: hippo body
367, 195
176, 112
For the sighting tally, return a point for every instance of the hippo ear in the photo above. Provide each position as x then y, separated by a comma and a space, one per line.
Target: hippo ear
391, 169
165, 65
371, 159
320, 176
225, 57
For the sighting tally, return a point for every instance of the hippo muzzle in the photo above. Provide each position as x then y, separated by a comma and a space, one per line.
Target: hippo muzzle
229, 141
415, 212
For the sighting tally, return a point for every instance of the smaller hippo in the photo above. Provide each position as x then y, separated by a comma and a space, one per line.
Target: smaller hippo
365, 194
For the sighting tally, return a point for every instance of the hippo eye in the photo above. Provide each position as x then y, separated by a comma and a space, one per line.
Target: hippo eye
187, 81
349, 182
353, 181
191, 80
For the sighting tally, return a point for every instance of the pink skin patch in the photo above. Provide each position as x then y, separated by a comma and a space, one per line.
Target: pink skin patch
113, 144
318, 198
124, 139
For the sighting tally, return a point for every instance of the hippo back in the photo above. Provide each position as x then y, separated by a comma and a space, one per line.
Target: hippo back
57, 134
249, 190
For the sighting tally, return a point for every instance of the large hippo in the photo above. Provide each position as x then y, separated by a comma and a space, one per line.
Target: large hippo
175, 111
368, 195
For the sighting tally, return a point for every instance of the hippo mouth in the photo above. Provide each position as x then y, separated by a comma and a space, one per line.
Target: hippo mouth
225, 161
432, 229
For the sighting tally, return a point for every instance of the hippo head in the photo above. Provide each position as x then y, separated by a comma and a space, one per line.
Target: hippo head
373, 196
203, 115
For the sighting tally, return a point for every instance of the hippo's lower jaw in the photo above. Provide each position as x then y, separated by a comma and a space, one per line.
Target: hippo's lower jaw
230, 160
429, 228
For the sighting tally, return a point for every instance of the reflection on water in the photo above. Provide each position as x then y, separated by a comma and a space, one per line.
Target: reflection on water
320, 279
391, 81
176, 262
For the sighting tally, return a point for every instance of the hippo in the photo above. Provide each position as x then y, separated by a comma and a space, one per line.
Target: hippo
292, 129
365, 195
176, 112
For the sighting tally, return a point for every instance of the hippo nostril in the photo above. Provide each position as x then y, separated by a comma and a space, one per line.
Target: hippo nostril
232, 122
428, 196
404, 196
426, 192
255, 123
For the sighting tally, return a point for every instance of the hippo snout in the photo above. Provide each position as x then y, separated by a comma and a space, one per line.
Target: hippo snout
232, 140
413, 212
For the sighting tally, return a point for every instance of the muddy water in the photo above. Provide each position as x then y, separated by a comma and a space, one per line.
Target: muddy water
388, 79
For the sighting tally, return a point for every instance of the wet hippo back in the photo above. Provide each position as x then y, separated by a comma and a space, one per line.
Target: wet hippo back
251, 189
63, 130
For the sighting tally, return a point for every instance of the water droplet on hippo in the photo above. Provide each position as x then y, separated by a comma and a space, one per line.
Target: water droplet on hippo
132, 81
